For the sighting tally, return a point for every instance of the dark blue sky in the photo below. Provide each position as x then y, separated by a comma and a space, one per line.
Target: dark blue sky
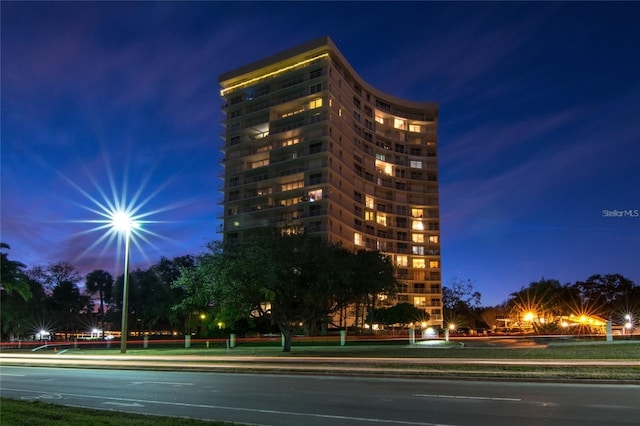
539, 123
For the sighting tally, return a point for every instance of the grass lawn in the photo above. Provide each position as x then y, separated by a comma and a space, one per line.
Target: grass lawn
460, 349
37, 413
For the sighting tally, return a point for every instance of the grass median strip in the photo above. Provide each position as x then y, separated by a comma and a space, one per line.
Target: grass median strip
37, 413
456, 350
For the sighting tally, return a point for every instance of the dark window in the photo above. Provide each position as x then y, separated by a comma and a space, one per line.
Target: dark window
315, 148
315, 178
315, 88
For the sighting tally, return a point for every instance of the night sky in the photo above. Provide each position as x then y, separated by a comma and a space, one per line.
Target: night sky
539, 129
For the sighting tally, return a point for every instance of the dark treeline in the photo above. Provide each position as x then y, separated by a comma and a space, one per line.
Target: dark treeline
543, 303
275, 283
57, 298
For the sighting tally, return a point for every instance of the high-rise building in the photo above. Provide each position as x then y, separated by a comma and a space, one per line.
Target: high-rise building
307, 142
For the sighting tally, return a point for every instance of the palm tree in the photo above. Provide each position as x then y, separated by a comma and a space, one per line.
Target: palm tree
12, 278
100, 282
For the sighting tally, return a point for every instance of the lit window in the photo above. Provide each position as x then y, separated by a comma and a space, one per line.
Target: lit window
402, 261
290, 231
434, 264
382, 219
316, 103
418, 250
418, 263
420, 301
414, 128
433, 239
417, 238
290, 201
289, 142
416, 164
416, 212
385, 168
292, 185
291, 113
368, 201
379, 119
369, 215
259, 163
417, 225
357, 238
315, 195
399, 123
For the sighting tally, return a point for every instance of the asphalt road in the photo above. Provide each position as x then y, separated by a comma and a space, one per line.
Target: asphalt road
269, 399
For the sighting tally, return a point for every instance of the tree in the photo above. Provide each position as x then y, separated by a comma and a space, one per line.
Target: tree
52, 275
291, 278
491, 315
459, 296
151, 296
145, 298
68, 304
608, 294
374, 275
167, 271
12, 277
100, 282
539, 298
21, 317
402, 313
460, 302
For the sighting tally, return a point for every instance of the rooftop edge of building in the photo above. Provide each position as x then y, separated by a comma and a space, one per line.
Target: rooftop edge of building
308, 50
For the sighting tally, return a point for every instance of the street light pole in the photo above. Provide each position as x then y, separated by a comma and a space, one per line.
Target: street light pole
124, 223
125, 294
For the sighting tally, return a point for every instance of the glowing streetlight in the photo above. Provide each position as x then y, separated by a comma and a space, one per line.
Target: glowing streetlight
122, 222
629, 323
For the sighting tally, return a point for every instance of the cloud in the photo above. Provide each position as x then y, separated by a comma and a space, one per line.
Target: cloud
578, 152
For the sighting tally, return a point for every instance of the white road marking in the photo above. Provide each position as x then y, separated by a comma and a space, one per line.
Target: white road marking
124, 404
484, 398
162, 383
45, 396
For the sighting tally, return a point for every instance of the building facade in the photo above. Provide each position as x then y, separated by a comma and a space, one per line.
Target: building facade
309, 143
